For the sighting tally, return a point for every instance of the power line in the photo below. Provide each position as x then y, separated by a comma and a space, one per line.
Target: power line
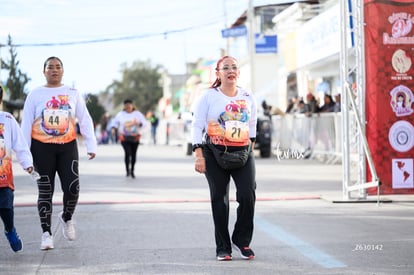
102, 40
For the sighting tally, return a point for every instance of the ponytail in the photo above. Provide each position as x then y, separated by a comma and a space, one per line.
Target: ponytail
217, 82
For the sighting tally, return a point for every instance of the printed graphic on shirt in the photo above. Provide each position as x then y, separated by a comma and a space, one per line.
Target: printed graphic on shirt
6, 173
232, 127
131, 127
56, 123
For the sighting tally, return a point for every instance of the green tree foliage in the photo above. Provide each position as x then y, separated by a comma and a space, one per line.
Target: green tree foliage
16, 81
96, 110
141, 83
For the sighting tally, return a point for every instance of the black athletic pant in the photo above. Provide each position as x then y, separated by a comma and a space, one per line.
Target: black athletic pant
48, 159
245, 182
130, 157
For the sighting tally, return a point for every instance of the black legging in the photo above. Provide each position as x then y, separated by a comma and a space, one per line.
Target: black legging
49, 158
130, 149
218, 181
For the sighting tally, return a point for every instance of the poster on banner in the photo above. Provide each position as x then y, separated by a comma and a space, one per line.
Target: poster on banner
402, 173
389, 97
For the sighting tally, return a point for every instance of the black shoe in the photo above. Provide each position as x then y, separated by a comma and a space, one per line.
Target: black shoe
132, 175
307, 153
224, 256
245, 252
128, 174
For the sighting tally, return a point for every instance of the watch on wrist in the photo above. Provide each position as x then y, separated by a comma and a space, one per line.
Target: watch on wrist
195, 146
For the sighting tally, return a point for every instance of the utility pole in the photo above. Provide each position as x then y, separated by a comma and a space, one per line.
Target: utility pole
252, 44
225, 27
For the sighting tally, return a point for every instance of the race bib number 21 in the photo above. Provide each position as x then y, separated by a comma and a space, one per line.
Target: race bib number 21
236, 131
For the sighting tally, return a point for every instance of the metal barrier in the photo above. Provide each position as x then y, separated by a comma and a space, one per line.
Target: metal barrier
318, 136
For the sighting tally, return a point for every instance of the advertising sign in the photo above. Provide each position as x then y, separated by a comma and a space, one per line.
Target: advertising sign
234, 32
266, 43
389, 43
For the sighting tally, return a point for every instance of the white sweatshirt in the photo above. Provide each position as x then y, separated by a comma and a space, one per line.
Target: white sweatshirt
227, 120
50, 116
11, 138
129, 124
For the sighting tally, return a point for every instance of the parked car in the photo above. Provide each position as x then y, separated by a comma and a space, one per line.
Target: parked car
187, 142
264, 136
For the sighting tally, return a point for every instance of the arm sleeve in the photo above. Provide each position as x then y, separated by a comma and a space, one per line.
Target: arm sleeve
28, 118
19, 145
142, 119
86, 125
199, 122
114, 122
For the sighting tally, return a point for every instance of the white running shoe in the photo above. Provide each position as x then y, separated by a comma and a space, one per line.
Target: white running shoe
47, 241
68, 228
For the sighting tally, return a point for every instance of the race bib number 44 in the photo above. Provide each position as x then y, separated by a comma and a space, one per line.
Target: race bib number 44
57, 120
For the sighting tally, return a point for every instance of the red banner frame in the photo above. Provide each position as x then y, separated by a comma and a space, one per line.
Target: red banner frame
389, 48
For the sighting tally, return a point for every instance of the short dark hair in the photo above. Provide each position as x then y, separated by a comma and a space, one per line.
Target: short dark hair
50, 58
126, 101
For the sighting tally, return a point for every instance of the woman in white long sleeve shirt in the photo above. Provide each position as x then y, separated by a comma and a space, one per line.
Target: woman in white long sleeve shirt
228, 116
49, 121
129, 123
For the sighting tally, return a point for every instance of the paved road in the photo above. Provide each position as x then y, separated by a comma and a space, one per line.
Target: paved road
160, 222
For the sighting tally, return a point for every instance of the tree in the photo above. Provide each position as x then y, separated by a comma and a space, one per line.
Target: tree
16, 82
95, 109
141, 83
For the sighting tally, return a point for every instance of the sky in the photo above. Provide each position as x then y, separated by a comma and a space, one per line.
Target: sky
94, 38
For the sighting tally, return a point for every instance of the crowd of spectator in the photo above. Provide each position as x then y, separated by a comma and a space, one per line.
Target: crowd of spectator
311, 105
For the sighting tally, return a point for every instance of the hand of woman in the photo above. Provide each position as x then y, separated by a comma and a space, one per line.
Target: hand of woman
91, 155
29, 169
200, 165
